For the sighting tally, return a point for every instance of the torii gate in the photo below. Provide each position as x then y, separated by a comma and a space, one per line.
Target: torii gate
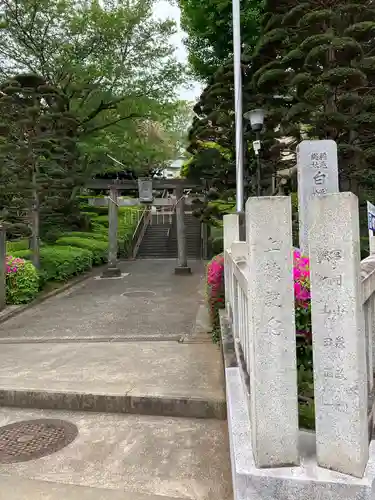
114, 186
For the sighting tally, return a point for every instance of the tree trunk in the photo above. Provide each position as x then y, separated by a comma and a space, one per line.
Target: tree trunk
35, 222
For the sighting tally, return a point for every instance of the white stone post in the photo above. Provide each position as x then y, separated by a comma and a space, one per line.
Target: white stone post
231, 225
317, 171
231, 230
272, 348
340, 368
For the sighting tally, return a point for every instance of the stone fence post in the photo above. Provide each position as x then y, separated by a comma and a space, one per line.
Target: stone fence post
273, 404
339, 344
231, 234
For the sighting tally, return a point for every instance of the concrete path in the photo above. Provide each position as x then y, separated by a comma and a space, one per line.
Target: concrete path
156, 458
151, 302
113, 348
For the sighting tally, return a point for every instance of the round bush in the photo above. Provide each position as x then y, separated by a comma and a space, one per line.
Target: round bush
22, 281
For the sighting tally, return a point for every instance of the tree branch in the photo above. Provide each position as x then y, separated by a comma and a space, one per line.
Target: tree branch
102, 107
106, 125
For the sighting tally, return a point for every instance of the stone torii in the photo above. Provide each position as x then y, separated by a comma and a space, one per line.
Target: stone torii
114, 186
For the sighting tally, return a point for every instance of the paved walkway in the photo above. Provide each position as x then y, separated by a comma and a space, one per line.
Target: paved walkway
110, 350
151, 302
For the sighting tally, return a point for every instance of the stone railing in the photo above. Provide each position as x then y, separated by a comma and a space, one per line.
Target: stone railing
259, 294
368, 299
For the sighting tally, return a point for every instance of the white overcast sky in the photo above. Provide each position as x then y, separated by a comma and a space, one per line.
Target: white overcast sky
163, 9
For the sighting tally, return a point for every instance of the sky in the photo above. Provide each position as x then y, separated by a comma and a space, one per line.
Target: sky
163, 9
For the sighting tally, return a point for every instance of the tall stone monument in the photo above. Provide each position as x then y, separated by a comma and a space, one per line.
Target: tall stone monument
339, 341
317, 169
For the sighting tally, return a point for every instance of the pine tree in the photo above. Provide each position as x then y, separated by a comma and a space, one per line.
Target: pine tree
324, 60
38, 152
270, 89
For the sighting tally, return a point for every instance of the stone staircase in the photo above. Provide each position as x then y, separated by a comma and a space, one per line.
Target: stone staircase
160, 239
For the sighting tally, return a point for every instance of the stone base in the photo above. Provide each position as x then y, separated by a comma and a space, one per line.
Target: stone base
111, 272
182, 271
305, 482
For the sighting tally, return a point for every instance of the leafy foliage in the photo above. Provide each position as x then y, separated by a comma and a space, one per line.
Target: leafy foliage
210, 34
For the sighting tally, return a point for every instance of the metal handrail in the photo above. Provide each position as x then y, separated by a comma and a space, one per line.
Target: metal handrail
140, 230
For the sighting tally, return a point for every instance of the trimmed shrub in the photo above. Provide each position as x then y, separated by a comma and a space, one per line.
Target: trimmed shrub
14, 246
95, 236
22, 254
59, 263
98, 248
22, 281
101, 220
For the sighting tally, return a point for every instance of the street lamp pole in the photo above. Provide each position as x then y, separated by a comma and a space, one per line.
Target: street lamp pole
258, 164
236, 14
256, 119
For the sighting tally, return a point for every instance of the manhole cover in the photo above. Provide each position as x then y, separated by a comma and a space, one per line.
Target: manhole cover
31, 439
139, 293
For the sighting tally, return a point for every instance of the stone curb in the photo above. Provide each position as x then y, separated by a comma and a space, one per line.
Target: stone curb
5, 315
164, 406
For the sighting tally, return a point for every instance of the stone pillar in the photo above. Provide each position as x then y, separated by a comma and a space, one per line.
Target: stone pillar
3, 253
182, 266
273, 405
371, 242
317, 171
231, 234
339, 346
112, 271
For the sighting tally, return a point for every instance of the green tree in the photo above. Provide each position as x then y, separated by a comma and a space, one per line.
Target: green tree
37, 151
208, 25
112, 61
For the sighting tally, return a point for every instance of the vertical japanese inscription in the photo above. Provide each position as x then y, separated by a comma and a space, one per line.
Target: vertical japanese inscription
338, 337
317, 175
271, 340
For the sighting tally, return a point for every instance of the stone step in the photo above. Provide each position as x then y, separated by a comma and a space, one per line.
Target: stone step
31, 489
124, 457
110, 378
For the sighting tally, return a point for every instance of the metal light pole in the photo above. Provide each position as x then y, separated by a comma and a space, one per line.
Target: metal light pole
238, 104
256, 118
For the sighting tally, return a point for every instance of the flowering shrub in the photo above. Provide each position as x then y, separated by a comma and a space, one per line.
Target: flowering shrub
301, 275
22, 281
215, 287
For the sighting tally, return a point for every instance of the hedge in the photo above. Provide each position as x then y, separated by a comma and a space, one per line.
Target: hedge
59, 263
14, 246
98, 248
94, 236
